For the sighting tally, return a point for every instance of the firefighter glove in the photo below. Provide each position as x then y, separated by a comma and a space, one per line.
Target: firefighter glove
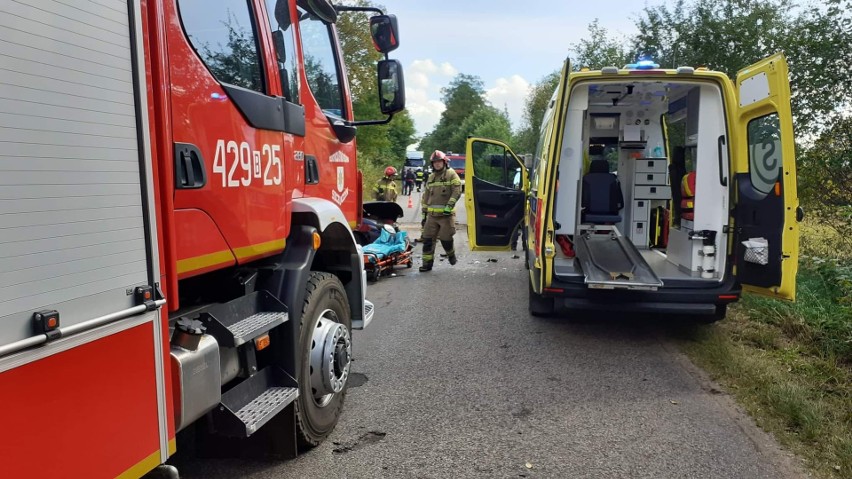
448, 210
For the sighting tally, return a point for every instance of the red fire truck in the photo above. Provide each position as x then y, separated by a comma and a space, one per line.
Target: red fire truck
178, 184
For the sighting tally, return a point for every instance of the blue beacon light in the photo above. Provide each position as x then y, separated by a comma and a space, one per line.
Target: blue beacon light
644, 63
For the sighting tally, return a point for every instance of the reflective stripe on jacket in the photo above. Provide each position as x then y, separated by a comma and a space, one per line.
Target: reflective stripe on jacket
442, 189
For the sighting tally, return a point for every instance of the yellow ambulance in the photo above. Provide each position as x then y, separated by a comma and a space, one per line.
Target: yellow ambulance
651, 190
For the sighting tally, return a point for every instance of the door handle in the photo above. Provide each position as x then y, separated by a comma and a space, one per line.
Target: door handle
190, 173
721, 145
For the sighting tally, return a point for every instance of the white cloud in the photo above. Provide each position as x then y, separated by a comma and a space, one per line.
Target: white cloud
423, 110
423, 82
429, 67
448, 70
425, 78
509, 93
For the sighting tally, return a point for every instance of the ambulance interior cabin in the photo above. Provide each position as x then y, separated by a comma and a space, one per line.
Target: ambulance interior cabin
642, 196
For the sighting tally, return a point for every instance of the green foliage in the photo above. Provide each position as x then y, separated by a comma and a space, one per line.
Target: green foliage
821, 318
727, 35
493, 164
785, 364
825, 176
379, 146
598, 50
235, 63
462, 97
819, 50
353, 29
487, 122
723, 35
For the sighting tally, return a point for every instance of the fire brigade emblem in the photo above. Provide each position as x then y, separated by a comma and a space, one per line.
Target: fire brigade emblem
338, 157
340, 195
340, 179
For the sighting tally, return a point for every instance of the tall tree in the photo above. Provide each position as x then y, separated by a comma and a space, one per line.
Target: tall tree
487, 122
383, 143
464, 95
598, 49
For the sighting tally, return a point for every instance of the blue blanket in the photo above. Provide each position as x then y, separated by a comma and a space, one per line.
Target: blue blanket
387, 244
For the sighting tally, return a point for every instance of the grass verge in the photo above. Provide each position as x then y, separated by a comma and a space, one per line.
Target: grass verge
790, 365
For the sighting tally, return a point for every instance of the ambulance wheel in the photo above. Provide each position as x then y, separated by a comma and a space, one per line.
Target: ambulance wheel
326, 357
540, 306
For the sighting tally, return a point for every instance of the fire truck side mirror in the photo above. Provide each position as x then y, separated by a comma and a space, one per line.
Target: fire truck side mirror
385, 33
391, 87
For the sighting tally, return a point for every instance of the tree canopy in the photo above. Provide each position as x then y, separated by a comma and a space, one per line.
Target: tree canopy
464, 96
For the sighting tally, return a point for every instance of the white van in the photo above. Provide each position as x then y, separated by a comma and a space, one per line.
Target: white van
651, 190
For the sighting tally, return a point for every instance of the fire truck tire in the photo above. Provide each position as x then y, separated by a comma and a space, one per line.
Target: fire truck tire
538, 305
325, 358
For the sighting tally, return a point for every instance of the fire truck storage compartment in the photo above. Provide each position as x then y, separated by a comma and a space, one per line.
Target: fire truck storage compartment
636, 126
72, 229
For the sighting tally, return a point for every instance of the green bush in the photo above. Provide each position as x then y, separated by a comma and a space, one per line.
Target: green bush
821, 318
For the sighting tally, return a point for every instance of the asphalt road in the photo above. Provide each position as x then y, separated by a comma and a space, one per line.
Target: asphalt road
455, 379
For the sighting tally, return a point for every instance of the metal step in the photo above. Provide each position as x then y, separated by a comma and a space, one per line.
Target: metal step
369, 312
249, 405
255, 325
264, 407
241, 320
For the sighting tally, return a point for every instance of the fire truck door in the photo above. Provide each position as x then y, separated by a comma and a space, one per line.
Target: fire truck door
233, 134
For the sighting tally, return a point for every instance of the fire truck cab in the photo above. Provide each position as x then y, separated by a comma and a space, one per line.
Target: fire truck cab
178, 184
651, 190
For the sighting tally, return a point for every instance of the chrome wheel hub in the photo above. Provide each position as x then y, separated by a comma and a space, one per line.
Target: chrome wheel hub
331, 357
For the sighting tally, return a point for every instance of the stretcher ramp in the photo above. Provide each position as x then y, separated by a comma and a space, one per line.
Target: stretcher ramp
611, 261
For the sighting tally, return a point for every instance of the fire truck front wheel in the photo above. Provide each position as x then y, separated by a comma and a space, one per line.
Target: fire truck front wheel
325, 358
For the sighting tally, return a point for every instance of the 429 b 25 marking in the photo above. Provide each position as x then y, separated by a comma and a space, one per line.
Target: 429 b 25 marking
239, 165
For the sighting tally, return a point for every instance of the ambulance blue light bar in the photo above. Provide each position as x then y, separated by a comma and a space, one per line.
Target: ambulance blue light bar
644, 63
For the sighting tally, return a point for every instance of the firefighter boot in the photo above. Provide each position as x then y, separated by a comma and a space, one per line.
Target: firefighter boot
428, 254
451, 253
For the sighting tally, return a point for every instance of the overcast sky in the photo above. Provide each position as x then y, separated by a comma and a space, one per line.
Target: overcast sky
509, 44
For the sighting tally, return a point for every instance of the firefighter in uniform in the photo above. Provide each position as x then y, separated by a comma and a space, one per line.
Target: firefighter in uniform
385, 189
418, 179
443, 188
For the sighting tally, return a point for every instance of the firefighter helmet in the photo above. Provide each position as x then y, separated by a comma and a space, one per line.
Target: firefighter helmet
439, 155
390, 171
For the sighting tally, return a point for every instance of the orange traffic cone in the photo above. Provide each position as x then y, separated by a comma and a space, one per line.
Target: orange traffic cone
410, 204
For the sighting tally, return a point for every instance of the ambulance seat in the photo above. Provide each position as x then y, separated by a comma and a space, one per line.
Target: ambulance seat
602, 198
687, 202
677, 170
